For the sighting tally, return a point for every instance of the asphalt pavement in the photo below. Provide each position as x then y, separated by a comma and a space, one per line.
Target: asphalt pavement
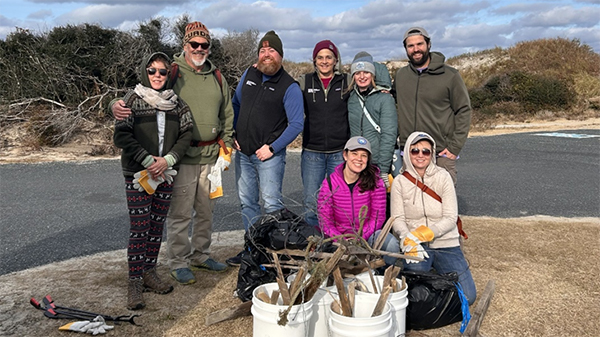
55, 211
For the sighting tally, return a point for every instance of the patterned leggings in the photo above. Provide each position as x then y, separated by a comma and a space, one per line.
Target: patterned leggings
147, 214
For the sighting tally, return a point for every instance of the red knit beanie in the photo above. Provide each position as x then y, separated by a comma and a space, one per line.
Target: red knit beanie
325, 44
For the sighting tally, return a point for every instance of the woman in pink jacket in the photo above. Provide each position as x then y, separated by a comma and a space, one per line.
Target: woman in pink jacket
353, 184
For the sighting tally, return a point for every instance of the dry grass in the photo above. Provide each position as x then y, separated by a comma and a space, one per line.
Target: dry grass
546, 273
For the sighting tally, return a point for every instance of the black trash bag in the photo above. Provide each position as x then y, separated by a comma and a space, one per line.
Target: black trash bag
291, 232
252, 273
433, 300
282, 229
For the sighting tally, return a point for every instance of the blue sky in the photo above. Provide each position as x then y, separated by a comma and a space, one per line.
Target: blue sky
377, 26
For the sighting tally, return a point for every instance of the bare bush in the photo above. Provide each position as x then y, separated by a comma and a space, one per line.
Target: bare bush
240, 50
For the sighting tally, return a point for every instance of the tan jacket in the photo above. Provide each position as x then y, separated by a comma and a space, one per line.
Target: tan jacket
411, 207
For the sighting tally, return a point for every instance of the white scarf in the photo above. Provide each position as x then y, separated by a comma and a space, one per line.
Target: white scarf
162, 100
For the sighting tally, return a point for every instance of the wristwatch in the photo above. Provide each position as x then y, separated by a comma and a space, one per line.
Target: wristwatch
271, 149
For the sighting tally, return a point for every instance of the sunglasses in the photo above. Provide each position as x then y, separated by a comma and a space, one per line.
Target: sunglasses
425, 152
195, 45
152, 71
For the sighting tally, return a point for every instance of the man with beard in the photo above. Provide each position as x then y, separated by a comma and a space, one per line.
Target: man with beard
269, 113
431, 97
207, 95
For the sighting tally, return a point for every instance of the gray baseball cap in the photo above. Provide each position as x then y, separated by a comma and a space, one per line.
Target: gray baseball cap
358, 142
420, 137
415, 31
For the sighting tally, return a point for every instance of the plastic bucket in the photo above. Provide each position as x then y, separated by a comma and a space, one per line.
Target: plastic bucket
397, 300
266, 315
350, 332
321, 302
362, 324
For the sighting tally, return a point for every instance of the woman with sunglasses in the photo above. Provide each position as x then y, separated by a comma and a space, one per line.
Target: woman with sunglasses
154, 137
427, 227
353, 184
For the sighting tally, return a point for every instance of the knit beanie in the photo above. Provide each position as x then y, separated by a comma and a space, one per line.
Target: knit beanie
194, 29
325, 44
363, 61
271, 40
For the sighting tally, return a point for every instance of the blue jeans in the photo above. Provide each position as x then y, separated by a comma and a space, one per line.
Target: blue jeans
390, 245
253, 176
315, 166
446, 260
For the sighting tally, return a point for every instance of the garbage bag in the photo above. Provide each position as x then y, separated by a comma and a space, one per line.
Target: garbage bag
433, 300
282, 229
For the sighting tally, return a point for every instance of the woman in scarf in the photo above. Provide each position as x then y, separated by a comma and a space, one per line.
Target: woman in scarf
153, 138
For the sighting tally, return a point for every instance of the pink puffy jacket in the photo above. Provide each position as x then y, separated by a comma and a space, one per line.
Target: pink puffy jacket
338, 210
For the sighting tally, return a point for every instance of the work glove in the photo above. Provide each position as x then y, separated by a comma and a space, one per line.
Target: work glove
386, 180
216, 185
391, 181
224, 159
416, 251
143, 182
169, 174
411, 245
95, 327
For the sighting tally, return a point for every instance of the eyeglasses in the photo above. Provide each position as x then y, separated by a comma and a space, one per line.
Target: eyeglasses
195, 45
425, 152
152, 71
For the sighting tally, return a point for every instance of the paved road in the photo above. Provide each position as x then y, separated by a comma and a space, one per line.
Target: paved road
55, 211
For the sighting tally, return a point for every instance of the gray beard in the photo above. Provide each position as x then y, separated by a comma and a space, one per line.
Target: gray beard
199, 63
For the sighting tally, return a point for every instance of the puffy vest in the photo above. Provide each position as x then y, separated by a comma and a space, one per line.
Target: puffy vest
326, 126
262, 117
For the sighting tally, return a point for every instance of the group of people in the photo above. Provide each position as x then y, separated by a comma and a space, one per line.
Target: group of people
362, 136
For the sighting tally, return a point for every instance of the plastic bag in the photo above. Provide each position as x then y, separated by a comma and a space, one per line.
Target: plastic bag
282, 229
433, 300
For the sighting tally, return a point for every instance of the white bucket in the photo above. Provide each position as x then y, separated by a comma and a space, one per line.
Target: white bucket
397, 300
350, 332
362, 324
321, 302
266, 316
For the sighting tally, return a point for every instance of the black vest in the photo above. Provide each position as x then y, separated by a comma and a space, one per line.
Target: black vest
262, 117
326, 127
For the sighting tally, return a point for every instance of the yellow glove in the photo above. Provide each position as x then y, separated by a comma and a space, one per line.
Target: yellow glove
144, 182
224, 158
391, 180
411, 245
216, 185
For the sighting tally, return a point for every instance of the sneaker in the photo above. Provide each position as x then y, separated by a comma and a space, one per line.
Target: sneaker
153, 283
135, 297
210, 265
183, 276
236, 260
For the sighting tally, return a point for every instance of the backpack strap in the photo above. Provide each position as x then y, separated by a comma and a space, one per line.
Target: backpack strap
174, 74
217, 74
437, 197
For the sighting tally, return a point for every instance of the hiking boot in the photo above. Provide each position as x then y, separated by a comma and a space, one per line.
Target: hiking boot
153, 283
235, 260
135, 297
210, 265
183, 276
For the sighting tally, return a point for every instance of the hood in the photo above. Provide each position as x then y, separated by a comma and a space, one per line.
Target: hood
142, 70
407, 164
208, 68
436, 64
